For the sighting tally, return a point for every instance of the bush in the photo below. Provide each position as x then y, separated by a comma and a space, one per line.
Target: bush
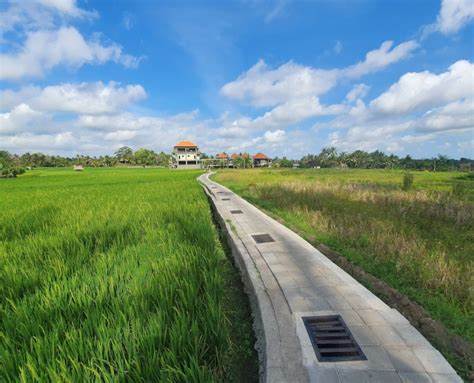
11, 172
407, 181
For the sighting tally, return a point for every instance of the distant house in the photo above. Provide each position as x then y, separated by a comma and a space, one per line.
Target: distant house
78, 168
222, 156
260, 160
186, 155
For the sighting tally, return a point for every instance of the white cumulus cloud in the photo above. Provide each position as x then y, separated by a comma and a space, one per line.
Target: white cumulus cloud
417, 90
83, 98
44, 50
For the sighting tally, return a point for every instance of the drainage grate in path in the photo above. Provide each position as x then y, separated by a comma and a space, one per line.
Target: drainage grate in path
236, 212
262, 238
225, 199
332, 341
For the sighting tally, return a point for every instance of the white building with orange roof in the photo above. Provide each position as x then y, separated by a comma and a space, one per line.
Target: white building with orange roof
261, 160
186, 155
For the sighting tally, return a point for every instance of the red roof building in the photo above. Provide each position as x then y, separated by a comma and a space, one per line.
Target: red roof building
186, 155
222, 156
185, 144
261, 160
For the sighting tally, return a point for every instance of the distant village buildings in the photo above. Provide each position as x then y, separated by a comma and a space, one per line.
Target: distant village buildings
186, 155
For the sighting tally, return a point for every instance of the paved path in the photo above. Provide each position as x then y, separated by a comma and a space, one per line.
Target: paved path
292, 280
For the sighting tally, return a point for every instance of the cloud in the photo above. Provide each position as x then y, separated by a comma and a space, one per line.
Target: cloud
457, 115
418, 90
380, 58
276, 11
294, 111
44, 50
454, 14
40, 142
67, 7
40, 14
120, 135
337, 47
82, 98
23, 118
357, 92
262, 86
128, 21
275, 136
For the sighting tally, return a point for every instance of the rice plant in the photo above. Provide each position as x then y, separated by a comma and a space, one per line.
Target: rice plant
116, 275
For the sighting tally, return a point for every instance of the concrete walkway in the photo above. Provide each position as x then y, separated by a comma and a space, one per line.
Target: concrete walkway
289, 279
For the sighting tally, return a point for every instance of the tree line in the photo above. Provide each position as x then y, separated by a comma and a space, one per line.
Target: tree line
330, 158
12, 164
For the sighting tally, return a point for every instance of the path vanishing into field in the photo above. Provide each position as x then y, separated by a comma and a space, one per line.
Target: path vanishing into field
299, 298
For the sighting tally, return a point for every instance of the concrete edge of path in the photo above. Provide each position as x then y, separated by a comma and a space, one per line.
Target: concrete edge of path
276, 363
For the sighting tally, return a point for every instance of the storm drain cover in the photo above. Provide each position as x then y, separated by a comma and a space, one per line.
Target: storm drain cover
332, 341
262, 238
225, 199
237, 212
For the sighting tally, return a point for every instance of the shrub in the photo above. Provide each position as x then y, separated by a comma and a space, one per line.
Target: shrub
407, 181
11, 172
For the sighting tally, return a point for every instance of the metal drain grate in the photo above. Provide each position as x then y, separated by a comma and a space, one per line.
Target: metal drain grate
237, 212
262, 238
332, 341
225, 199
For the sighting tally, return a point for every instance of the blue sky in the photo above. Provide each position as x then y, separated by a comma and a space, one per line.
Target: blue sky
282, 77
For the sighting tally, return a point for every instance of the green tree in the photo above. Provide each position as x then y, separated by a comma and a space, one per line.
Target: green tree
124, 155
145, 157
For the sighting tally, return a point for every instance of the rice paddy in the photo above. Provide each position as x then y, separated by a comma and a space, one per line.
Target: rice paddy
117, 275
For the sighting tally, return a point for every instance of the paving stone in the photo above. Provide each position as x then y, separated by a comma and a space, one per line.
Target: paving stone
387, 335
393, 316
377, 360
300, 304
357, 302
414, 377
337, 302
443, 378
433, 361
351, 317
404, 360
371, 317
412, 336
319, 375
364, 335
369, 376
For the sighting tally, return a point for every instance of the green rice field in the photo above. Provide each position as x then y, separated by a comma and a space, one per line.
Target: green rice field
117, 275
420, 240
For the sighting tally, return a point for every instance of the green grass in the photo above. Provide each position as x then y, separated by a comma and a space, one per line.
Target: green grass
419, 241
117, 275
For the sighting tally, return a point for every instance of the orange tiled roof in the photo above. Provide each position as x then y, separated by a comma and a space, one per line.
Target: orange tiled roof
234, 156
260, 156
222, 156
185, 144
